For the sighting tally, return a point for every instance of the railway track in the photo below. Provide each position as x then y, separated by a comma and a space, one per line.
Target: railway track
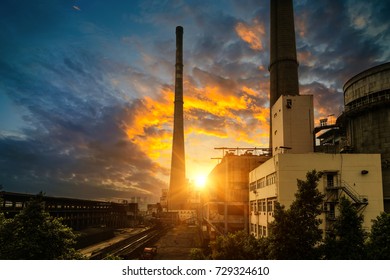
129, 247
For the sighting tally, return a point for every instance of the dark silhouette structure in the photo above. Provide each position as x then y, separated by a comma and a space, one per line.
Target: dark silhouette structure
75, 213
177, 184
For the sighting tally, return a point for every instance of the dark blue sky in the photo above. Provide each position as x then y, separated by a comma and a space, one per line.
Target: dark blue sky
86, 86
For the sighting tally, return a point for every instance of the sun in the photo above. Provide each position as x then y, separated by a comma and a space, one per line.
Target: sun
200, 181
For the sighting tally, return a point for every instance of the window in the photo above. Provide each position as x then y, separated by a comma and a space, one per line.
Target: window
270, 179
8, 204
19, 204
252, 186
331, 211
269, 205
253, 207
261, 183
330, 180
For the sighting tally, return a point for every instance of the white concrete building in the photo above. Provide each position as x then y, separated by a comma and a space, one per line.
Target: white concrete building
356, 176
292, 120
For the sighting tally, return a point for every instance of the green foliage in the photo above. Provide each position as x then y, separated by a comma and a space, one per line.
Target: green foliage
197, 254
294, 233
238, 246
346, 241
34, 235
378, 246
112, 258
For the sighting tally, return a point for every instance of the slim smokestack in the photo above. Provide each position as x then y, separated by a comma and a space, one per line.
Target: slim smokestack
284, 65
177, 184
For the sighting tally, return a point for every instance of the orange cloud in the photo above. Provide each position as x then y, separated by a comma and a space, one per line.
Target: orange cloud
218, 112
251, 34
149, 124
300, 24
306, 58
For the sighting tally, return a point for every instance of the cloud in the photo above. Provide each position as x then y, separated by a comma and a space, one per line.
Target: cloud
252, 34
333, 57
327, 101
96, 89
75, 137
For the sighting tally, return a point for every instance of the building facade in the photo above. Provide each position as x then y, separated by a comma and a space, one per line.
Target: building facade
292, 124
225, 204
355, 176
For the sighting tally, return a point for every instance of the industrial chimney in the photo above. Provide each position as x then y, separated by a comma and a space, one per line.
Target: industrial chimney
283, 66
177, 184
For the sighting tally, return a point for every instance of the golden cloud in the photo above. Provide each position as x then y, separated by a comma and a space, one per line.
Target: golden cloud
213, 112
251, 34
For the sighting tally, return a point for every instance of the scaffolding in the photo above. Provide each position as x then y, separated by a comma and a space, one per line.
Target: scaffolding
244, 151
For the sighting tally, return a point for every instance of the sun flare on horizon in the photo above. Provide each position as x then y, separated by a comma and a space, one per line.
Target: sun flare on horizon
200, 181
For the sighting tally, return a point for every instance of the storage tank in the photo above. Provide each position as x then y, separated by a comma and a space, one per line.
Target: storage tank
367, 117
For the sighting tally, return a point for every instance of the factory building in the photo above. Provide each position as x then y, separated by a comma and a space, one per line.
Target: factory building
293, 138
355, 176
225, 202
353, 154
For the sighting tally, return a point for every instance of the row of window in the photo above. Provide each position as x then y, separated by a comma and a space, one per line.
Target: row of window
258, 230
263, 182
11, 204
263, 205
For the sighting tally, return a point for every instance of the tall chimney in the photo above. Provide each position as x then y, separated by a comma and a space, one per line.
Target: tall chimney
177, 184
284, 65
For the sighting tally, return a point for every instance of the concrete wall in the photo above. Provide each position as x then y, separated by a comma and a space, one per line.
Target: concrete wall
370, 133
225, 207
290, 167
367, 111
292, 124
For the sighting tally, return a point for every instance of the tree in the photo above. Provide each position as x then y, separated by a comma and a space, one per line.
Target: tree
2, 217
34, 235
295, 233
347, 238
378, 245
197, 254
238, 246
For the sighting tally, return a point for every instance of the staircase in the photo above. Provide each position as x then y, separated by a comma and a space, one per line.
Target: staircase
333, 193
359, 201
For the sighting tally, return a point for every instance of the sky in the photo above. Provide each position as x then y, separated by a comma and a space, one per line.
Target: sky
87, 87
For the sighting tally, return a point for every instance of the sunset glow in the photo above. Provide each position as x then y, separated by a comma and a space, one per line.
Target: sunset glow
86, 97
200, 181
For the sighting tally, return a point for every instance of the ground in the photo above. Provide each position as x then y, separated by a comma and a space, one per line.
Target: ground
177, 243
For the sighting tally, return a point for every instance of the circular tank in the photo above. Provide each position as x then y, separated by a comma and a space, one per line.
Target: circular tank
367, 112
